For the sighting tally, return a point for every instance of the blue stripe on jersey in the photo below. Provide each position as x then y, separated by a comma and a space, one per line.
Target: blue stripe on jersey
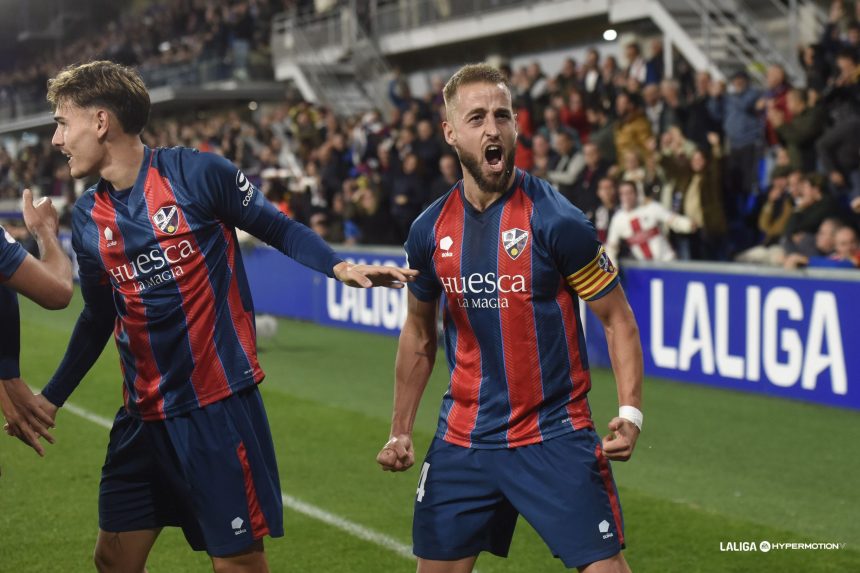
213, 244
477, 253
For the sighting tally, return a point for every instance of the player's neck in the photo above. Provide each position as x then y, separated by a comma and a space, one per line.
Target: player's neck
122, 162
480, 199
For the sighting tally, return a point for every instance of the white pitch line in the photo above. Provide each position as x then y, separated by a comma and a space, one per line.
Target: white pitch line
312, 511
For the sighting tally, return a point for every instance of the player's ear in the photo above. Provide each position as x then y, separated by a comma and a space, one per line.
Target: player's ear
102, 121
450, 134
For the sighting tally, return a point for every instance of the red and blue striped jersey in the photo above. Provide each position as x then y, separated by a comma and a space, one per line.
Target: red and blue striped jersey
184, 323
12, 254
511, 277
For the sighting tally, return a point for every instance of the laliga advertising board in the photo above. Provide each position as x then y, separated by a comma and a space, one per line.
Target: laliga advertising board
786, 334
792, 335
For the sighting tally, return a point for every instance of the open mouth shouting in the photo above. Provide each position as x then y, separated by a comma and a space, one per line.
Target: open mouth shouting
495, 157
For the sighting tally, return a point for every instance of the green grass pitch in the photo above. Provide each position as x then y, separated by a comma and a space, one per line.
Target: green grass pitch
712, 466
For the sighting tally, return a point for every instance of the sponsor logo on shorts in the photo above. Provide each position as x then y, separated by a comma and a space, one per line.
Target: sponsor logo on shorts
603, 527
237, 524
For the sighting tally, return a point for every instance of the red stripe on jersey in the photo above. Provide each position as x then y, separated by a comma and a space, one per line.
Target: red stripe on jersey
577, 409
259, 527
466, 377
124, 279
198, 300
519, 336
639, 240
609, 484
243, 322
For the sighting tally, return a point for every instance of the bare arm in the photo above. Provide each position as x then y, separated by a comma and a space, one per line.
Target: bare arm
48, 281
625, 352
416, 354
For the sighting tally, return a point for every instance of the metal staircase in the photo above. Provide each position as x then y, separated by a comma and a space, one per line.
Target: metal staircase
737, 37
333, 62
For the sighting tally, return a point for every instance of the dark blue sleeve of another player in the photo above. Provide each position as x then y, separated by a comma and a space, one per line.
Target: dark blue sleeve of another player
10, 336
419, 256
93, 329
238, 203
12, 254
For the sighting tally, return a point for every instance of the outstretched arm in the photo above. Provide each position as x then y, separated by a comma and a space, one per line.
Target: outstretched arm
416, 354
625, 352
48, 281
237, 202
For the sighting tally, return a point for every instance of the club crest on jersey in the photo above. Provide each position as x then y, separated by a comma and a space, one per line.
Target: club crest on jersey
605, 263
514, 241
166, 219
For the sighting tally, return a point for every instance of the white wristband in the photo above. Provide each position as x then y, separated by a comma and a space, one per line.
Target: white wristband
631, 413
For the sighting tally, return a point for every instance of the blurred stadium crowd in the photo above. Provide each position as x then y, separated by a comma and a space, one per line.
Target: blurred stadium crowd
685, 167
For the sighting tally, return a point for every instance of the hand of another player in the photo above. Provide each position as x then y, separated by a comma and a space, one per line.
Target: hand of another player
366, 276
40, 217
27, 416
619, 443
397, 454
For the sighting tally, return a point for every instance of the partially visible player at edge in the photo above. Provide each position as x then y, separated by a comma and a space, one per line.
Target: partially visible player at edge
515, 435
48, 282
161, 269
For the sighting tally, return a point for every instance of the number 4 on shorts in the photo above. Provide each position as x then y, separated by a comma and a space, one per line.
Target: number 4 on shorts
422, 479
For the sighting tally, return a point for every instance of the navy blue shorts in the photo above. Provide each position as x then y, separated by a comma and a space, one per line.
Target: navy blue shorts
211, 472
468, 499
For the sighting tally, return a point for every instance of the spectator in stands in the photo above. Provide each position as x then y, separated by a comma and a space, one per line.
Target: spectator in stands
846, 247
637, 67
570, 164
568, 78
774, 100
632, 129
544, 157
743, 131
772, 219
553, 127
610, 78
608, 196
654, 67
812, 207
584, 191
577, 118
815, 66
592, 78
449, 174
661, 111
408, 195
800, 132
538, 90
777, 208
698, 180
817, 249
837, 148
642, 230
602, 133
428, 148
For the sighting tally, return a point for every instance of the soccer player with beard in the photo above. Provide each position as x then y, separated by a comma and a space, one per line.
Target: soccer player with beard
161, 270
512, 257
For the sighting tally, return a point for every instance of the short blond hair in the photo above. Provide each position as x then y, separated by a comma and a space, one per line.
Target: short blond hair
472, 74
117, 88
